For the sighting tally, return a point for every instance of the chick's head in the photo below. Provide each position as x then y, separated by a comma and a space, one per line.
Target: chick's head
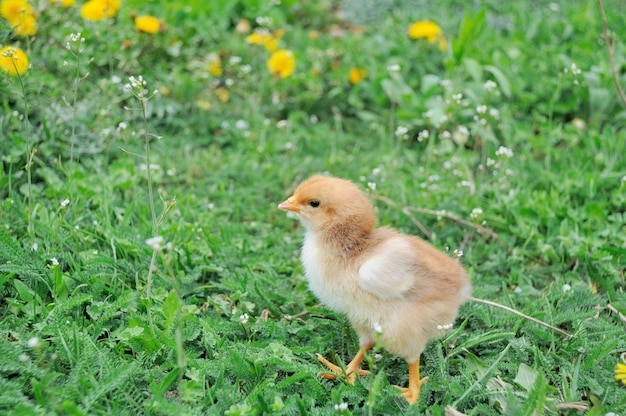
323, 201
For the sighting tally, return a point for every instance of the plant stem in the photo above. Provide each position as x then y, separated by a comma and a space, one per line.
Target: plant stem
155, 230
73, 136
30, 154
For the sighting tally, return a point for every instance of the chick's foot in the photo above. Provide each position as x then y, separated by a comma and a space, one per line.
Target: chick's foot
352, 369
412, 393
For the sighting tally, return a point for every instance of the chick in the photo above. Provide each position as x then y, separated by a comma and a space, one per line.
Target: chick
392, 287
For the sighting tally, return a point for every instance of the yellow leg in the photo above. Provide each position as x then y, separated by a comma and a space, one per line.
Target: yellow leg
412, 393
352, 368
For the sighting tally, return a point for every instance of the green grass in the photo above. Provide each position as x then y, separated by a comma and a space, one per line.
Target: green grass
110, 339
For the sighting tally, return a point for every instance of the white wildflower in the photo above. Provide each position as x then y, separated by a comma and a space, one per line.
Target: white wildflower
393, 68
476, 212
243, 319
54, 261
35, 247
34, 343
155, 243
242, 124
265, 21
579, 123
575, 70
371, 186
460, 135
504, 152
342, 406
566, 287
65, 203
401, 131
490, 86
377, 328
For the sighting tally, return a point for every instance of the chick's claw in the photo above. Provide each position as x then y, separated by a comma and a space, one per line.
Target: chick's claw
349, 374
412, 393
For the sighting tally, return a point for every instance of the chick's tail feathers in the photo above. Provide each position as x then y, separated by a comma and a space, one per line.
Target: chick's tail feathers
523, 315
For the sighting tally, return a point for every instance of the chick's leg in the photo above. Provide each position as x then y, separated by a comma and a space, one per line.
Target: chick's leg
412, 393
352, 369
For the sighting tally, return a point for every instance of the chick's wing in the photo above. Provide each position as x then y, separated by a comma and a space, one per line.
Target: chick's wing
388, 272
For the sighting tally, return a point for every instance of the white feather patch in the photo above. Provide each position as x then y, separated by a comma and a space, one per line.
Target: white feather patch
388, 273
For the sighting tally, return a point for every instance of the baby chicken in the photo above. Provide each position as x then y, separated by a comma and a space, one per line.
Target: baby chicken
392, 287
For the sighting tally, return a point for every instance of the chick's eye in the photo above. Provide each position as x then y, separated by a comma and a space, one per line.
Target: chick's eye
314, 203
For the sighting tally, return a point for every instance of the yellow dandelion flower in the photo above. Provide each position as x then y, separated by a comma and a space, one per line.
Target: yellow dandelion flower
258, 37
425, 29
92, 10
95, 10
215, 67
111, 7
13, 61
271, 45
282, 63
26, 26
63, 3
13, 10
263, 37
148, 24
620, 372
357, 75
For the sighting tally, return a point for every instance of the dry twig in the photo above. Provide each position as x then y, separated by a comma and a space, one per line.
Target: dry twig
612, 309
610, 47
523, 315
407, 211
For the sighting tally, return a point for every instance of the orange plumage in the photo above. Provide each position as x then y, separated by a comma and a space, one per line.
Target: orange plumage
385, 282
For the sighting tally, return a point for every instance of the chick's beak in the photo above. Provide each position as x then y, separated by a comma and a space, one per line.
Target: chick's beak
289, 205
